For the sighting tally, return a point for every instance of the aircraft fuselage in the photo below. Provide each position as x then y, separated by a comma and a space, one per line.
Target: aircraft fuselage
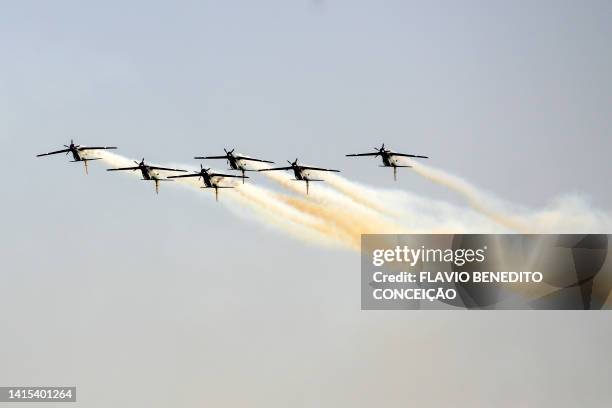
233, 162
299, 173
76, 154
207, 179
386, 159
148, 173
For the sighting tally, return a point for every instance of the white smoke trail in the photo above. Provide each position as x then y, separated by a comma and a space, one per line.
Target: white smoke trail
335, 208
339, 217
363, 195
267, 206
418, 213
568, 214
281, 207
367, 210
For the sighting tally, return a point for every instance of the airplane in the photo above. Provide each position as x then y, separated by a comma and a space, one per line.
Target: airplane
210, 180
236, 162
77, 153
301, 172
387, 158
148, 172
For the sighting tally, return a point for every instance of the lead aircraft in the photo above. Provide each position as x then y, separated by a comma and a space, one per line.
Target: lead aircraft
388, 158
79, 153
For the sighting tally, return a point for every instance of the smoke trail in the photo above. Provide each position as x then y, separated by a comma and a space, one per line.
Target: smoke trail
361, 194
570, 214
379, 211
419, 214
331, 219
267, 210
339, 217
339, 213
267, 206
342, 210
478, 200
116, 160
280, 211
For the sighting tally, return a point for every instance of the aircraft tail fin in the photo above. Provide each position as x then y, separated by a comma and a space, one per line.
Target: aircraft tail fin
217, 190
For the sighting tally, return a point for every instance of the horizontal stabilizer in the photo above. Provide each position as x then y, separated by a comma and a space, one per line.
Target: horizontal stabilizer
307, 180
226, 175
219, 187
76, 161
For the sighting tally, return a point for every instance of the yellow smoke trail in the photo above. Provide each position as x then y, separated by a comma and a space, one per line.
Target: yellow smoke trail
361, 194
337, 209
344, 218
340, 216
347, 228
354, 209
569, 214
279, 211
267, 205
477, 199
330, 219
354, 205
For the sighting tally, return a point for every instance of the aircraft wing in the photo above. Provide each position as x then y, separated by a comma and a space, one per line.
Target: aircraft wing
210, 157
166, 168
252, 159
277, 168
124, 168
55, 152
186, 175
318, 169
362, 154
408, 155
97, 148
226, 175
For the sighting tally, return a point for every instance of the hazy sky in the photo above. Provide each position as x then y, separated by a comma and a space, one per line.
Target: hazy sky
172, 300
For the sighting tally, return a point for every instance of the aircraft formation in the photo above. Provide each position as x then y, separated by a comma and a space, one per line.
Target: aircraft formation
238, 162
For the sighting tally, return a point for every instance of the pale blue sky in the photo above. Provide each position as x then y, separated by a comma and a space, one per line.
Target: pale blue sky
174, 294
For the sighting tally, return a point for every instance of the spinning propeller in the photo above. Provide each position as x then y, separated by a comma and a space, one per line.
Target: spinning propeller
381, 150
